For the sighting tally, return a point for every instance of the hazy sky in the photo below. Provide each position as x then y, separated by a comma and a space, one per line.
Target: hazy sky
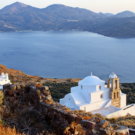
113, 6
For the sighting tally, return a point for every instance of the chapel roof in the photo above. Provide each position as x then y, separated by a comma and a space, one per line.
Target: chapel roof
91, 80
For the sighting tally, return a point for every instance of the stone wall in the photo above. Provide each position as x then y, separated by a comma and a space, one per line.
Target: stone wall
67, 122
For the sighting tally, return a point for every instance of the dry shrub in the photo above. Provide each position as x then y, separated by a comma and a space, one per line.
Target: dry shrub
8, 131
1, 97
74, 129
128, 121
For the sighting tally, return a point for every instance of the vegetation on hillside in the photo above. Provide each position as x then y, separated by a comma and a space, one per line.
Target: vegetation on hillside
59, 90
8, 131
128, 121
129, 89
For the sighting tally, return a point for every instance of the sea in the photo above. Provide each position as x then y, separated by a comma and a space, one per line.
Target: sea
68, 54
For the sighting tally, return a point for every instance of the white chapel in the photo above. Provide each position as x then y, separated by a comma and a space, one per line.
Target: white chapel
4, 79
93, 95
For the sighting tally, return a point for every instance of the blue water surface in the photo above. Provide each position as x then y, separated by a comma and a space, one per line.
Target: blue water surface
68, 54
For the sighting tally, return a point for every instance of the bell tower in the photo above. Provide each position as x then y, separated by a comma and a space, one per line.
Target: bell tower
114, 86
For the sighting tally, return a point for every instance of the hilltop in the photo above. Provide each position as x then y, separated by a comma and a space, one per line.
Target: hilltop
19, 77
22, 17
27, 105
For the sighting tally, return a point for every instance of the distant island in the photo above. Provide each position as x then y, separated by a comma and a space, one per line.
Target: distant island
21, 17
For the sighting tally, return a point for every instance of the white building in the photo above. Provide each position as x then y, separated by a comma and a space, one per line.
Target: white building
4, 79
93, 95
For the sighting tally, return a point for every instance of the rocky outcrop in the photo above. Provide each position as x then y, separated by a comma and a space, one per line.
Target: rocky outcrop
31, 109
73, 123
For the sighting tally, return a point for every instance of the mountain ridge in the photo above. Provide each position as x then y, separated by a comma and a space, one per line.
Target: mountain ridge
22, 17
53, 5
125, 13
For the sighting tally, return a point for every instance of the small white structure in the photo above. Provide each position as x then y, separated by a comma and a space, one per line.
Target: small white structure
93, 95
4, 79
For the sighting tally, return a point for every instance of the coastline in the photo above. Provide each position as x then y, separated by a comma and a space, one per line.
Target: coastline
72, 30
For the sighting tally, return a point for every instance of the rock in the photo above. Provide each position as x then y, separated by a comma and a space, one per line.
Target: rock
88, 124
122, 130
13, 87
104, 123
46, 88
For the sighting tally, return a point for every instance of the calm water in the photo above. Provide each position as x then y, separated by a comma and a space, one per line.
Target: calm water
70, 54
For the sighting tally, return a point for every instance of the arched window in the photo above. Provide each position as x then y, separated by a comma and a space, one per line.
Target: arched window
114, 95
117, 94
101, 96
116, 84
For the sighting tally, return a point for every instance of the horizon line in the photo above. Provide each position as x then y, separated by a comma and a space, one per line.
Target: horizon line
65, 5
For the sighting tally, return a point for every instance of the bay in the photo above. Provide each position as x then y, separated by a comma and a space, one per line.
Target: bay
68, 54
